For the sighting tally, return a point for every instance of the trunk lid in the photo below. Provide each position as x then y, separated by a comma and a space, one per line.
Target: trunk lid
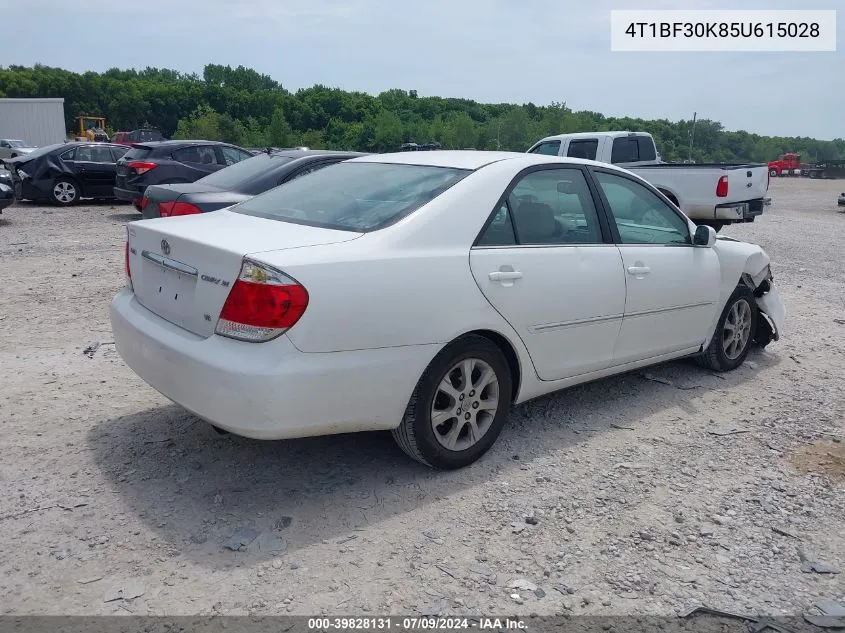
183, 268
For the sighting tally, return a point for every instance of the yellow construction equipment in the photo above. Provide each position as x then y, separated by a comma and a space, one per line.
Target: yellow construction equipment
91, 128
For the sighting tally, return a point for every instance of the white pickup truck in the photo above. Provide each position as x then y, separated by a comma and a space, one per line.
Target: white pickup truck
710, 194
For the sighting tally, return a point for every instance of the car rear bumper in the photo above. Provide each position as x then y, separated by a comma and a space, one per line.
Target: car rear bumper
127, 194
267, 390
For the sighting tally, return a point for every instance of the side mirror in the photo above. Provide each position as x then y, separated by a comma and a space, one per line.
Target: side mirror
704, 236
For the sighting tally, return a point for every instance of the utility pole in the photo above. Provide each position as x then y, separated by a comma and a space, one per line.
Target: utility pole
692, 136
498, 135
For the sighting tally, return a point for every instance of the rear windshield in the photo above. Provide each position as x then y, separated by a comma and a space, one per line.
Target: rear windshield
239, 174
137, 153
353, 196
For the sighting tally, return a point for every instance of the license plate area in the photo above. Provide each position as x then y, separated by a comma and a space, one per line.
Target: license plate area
168, 288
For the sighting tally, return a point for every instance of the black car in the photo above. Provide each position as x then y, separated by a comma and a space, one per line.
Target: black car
236, 183
65, 172
171, 162
7, 189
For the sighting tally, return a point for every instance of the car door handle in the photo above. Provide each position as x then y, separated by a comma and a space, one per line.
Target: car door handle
504, 275
638, 270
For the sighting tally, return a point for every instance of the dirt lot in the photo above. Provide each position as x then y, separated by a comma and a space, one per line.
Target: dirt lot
116, 501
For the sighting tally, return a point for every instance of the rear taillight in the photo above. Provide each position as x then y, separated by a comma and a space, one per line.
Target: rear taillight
141, 167
172, 209
184, 208
722, 187
144, 201
262, 304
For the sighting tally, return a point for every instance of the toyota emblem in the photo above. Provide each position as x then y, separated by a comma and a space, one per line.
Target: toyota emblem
165, 247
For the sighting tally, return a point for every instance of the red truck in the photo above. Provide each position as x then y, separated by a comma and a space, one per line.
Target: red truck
786, 165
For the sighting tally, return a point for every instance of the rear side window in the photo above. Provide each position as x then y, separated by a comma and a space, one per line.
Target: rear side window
625, 150
137, 153
352, 196
232, 155
89, 154
549, 148
585, 148
646, 147
200, 154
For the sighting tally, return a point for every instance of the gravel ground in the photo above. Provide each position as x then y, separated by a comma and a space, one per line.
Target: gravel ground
618, 497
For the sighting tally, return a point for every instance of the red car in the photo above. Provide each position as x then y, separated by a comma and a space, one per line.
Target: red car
137, 136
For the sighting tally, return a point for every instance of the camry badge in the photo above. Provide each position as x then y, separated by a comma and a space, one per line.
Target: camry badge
165, 247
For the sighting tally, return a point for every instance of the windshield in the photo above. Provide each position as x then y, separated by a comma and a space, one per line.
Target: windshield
243, 172
353, 196
16, 143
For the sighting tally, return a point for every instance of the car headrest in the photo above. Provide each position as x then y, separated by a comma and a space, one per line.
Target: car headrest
535, 222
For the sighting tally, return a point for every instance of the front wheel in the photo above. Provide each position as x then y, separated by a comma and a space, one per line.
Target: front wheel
773, 173
459, 406
735, 332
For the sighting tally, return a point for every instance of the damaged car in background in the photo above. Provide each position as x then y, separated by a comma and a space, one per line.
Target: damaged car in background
64, 173
426, 292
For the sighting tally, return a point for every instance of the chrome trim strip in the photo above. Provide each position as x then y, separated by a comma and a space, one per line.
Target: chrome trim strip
671, 309
553, 326
171, 264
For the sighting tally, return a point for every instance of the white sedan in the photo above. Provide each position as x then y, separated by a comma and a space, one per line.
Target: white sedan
426, 292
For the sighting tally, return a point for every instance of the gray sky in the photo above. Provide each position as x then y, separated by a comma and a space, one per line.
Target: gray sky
488, 50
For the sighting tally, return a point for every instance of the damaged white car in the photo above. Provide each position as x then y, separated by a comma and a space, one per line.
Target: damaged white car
426, 292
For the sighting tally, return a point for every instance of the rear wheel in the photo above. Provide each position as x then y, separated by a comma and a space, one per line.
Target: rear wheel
459, 406
773, 173
735, 332
65, 192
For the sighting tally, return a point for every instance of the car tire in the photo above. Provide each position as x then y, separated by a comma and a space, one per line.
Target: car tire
65, 192
735, 332
446, 441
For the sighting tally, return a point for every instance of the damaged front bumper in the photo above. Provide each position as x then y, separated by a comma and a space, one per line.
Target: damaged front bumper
771, 307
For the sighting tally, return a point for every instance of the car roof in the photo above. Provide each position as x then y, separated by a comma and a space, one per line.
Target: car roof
458, 159
580, 135
185, 143
303, 153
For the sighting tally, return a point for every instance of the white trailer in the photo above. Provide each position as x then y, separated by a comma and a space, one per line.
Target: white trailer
37, 122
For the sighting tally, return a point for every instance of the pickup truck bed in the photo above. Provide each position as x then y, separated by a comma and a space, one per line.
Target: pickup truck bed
695, 189
715, 194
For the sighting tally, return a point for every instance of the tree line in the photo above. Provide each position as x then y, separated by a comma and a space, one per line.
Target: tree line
241, 106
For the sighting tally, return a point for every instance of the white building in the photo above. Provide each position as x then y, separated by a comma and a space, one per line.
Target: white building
38, 122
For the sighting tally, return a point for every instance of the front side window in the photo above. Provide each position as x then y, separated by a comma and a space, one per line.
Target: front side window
352, 196
549, 148
547, 207
641, 216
